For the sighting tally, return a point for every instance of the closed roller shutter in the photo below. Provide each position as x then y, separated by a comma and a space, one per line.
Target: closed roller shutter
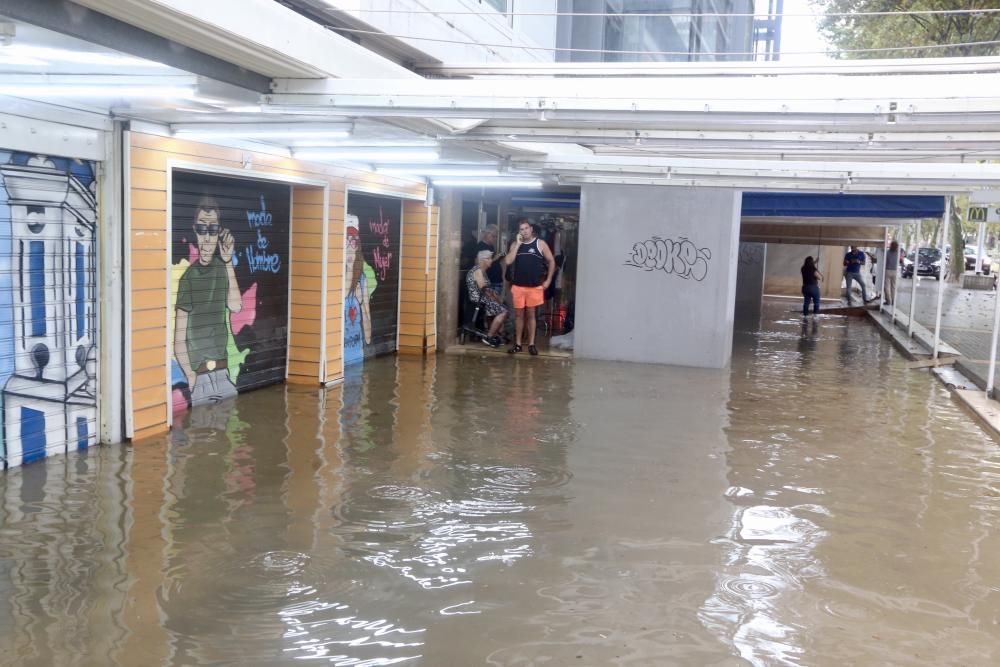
48, 296
371, 274
229, 286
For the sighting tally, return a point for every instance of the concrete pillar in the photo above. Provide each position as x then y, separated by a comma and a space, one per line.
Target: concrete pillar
750, 279
449, 252
657, 274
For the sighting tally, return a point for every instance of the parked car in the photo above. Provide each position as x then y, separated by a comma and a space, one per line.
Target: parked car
970, 260
928, 264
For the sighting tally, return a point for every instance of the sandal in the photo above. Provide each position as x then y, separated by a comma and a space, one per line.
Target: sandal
532, 350
514, 350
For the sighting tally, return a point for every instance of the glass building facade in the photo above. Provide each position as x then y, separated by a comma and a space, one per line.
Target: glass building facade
636, 30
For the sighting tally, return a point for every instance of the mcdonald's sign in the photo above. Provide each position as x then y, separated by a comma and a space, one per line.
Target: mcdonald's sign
984, 214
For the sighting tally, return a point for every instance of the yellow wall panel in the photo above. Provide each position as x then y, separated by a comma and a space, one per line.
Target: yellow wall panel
147, 220
148, 260
303, 368
307, 283
152, 338
148, 179
143, 159
413, 341
143, 378
152, 419
303, 269
308, 311
306, 253
148, 299
306, 326
149, 240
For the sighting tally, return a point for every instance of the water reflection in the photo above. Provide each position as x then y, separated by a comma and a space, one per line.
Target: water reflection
816, 503
830, 555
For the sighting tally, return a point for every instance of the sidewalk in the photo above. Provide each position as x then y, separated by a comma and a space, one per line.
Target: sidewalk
966, 320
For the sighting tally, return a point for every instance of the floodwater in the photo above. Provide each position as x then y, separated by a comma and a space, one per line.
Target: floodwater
816, 504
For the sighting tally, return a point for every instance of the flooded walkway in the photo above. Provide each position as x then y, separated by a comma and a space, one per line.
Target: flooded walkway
816, 504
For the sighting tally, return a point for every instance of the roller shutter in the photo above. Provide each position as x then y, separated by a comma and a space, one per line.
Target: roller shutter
371, 274
229, 279
48, 297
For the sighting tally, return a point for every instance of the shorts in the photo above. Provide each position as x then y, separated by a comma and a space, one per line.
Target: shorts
527, 297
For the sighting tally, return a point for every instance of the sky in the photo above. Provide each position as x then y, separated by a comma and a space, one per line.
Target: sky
799, 33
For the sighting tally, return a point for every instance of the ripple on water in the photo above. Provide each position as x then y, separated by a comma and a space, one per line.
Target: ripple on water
746, 587
242, 606
845, 610
400, 494
524, 479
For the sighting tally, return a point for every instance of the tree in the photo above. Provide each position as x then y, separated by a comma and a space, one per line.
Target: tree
957, 31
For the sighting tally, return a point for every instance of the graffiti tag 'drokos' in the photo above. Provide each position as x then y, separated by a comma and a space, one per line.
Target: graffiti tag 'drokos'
681, 257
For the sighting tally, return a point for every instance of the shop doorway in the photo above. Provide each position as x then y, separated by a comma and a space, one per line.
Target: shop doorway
557, 222
556, 215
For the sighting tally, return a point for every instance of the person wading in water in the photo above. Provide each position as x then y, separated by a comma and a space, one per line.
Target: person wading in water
531, 267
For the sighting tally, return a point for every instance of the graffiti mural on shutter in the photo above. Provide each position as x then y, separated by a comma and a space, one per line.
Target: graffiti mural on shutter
229, 286
48, 296
371, 272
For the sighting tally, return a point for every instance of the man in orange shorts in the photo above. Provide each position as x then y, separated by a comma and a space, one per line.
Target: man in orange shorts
532, 266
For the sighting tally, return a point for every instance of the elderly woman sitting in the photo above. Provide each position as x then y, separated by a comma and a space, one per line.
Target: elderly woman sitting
481, 293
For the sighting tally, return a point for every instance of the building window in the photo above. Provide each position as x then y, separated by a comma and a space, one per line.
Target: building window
81, 293
499, 5
82, 433
36, 286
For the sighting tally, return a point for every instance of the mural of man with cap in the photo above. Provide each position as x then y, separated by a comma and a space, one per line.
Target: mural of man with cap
207, 290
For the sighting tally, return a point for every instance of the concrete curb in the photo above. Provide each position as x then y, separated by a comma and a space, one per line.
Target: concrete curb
985, 410
964, 390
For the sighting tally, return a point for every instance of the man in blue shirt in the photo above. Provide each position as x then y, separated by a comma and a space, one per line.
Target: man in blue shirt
853, 261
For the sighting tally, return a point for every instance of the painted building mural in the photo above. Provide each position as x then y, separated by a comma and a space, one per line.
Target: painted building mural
229, 286
371, 274
48, 326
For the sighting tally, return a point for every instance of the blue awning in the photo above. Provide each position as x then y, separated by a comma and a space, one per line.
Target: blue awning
835, 205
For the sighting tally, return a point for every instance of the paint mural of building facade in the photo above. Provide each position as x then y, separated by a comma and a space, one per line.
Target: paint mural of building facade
48, 306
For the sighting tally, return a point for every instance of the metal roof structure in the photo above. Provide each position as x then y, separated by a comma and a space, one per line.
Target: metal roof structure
905, 126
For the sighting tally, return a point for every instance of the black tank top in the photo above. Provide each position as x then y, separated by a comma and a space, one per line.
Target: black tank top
530, 266
808, 277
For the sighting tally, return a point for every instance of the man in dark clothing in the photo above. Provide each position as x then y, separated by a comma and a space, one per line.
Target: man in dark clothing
853, 261
533, 267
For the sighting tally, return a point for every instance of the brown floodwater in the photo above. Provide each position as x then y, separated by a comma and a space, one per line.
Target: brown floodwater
815, 504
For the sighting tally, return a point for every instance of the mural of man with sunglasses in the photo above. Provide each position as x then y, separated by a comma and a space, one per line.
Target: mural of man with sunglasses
206, 294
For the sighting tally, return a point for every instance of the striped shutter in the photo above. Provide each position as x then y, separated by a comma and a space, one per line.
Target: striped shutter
228, 337
372, 261
48, 299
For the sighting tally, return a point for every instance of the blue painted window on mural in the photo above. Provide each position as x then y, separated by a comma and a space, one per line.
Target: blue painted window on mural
82, 433
81, 292
36, 286
32, 435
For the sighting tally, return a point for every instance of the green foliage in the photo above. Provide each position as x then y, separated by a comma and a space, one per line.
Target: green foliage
876, 32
